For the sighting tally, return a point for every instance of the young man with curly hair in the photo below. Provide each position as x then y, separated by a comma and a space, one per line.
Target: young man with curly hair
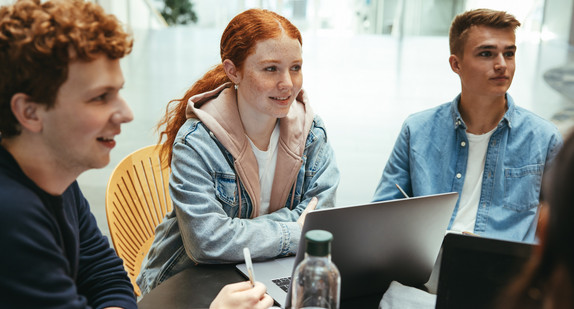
60, 109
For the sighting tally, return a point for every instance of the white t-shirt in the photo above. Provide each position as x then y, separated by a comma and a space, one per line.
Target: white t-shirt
266, 160
470, 196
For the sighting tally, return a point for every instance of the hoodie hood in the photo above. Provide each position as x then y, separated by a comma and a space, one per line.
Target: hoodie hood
217, 109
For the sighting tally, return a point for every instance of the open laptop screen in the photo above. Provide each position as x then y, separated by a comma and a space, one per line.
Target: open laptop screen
373, 244
474, 270
376, 243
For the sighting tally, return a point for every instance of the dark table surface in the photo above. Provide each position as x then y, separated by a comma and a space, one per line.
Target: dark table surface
197, 286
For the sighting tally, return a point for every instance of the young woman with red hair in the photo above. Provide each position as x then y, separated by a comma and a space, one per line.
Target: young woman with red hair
249, 158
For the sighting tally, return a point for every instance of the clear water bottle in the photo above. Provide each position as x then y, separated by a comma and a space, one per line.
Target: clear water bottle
316, 280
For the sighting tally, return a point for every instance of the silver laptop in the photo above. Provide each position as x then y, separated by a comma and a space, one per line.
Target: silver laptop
373, 244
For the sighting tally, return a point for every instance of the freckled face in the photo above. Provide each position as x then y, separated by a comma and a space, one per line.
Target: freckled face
487, 64
270, 79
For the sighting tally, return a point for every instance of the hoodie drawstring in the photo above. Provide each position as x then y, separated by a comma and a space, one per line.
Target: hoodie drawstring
237, 181
292, 196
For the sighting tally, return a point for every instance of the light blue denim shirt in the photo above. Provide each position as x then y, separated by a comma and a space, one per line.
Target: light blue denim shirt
430, 157
203, 186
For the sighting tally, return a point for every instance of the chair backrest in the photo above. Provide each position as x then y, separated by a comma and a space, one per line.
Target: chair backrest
137, 199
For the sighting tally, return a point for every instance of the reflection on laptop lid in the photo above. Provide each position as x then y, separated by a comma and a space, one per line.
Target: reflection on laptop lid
376, 243
474, 270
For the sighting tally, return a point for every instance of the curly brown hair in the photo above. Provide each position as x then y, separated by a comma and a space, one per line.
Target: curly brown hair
39, 40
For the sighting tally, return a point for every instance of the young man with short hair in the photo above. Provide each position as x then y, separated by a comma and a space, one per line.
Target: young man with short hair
481, 145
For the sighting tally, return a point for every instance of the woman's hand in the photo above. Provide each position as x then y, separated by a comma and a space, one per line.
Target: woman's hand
311, 206
242, 295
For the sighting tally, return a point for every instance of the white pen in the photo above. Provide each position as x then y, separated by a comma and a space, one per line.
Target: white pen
249, 265
402, 191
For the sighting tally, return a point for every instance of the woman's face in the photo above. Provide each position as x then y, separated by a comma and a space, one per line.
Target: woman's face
270, 79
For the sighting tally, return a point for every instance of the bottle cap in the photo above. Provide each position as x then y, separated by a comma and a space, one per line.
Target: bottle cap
318, 242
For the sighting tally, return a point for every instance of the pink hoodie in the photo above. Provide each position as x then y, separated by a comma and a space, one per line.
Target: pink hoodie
217, 109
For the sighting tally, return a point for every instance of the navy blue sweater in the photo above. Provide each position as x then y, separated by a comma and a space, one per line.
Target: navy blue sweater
52, 253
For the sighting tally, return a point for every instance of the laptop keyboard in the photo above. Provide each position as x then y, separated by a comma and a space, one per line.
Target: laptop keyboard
283, 283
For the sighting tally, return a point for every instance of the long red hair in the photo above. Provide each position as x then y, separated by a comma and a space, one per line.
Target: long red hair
238, 41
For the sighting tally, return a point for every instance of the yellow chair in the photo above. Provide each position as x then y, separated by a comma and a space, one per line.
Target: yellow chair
137, 199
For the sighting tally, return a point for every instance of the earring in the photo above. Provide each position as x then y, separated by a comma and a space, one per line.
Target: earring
236, 86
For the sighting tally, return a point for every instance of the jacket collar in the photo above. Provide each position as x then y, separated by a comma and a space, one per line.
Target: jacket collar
217, 109
459, 122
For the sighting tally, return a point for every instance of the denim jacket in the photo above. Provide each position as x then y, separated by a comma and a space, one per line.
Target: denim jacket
430, 157
212, 161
